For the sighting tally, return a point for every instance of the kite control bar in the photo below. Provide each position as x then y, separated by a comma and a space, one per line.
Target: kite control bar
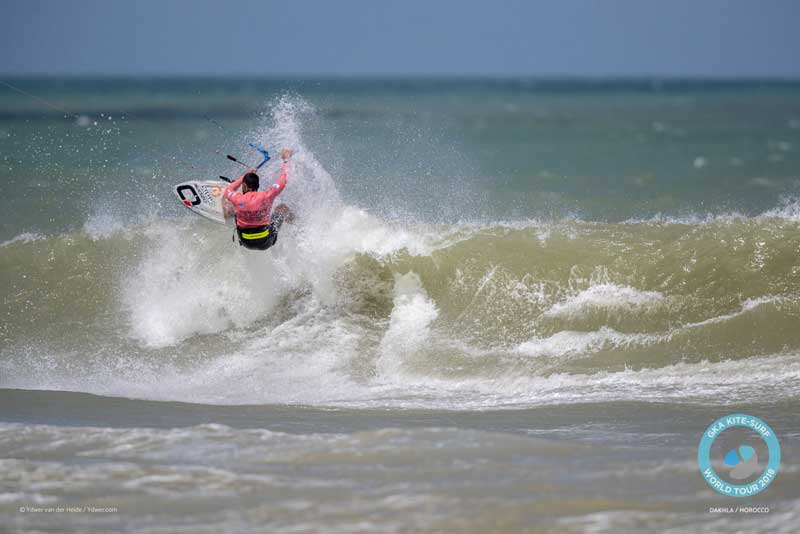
263, 152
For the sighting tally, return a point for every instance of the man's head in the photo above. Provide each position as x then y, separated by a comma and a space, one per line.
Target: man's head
250, 182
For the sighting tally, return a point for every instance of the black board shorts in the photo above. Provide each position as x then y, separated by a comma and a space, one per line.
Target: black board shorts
260, 237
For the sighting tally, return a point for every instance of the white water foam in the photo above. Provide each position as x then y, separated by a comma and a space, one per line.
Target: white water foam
102, 224
568, 344
27, 237
789, 210
183, 287
194, 280
409, 324
572, 344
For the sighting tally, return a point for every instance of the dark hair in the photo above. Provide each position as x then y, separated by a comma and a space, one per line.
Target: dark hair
251, 179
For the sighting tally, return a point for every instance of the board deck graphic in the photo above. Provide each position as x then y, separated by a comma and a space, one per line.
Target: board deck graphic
205, 198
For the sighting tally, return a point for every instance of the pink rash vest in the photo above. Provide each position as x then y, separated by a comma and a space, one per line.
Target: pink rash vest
253, 209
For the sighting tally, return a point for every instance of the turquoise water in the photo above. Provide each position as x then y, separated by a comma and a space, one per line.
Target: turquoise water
506, 306
507, 150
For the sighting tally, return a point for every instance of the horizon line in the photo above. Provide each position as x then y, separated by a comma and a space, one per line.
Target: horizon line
539, 78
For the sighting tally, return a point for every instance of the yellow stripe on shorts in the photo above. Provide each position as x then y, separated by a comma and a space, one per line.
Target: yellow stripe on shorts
258, 235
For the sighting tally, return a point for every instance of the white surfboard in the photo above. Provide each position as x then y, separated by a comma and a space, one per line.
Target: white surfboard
204, 198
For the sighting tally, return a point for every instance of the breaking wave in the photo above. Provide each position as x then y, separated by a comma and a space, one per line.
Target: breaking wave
351, 309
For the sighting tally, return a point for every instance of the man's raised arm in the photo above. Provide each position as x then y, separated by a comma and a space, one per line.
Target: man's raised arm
280, 183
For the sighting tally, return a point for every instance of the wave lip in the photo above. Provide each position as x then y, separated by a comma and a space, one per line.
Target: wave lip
26, 237
607, 297
570, 344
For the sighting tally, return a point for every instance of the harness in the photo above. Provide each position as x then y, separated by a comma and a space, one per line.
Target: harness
255, 235
258, 238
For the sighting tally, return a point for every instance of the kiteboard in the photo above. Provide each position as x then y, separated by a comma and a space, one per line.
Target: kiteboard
205, 198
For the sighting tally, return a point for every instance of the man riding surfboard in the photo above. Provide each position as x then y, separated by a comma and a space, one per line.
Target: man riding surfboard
257, 225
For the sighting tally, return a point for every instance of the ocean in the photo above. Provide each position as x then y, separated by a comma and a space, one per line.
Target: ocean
505, 306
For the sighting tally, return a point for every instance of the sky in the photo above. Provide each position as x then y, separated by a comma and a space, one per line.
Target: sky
363, 38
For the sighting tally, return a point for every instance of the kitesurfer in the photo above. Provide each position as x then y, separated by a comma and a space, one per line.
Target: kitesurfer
257, 224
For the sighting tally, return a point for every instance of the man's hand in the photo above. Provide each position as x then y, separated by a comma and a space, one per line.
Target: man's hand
286, 154
252, 170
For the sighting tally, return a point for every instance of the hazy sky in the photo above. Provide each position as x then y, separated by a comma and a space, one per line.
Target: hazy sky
753, 38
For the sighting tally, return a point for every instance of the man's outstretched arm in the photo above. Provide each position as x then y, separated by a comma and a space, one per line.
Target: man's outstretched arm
280, 183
